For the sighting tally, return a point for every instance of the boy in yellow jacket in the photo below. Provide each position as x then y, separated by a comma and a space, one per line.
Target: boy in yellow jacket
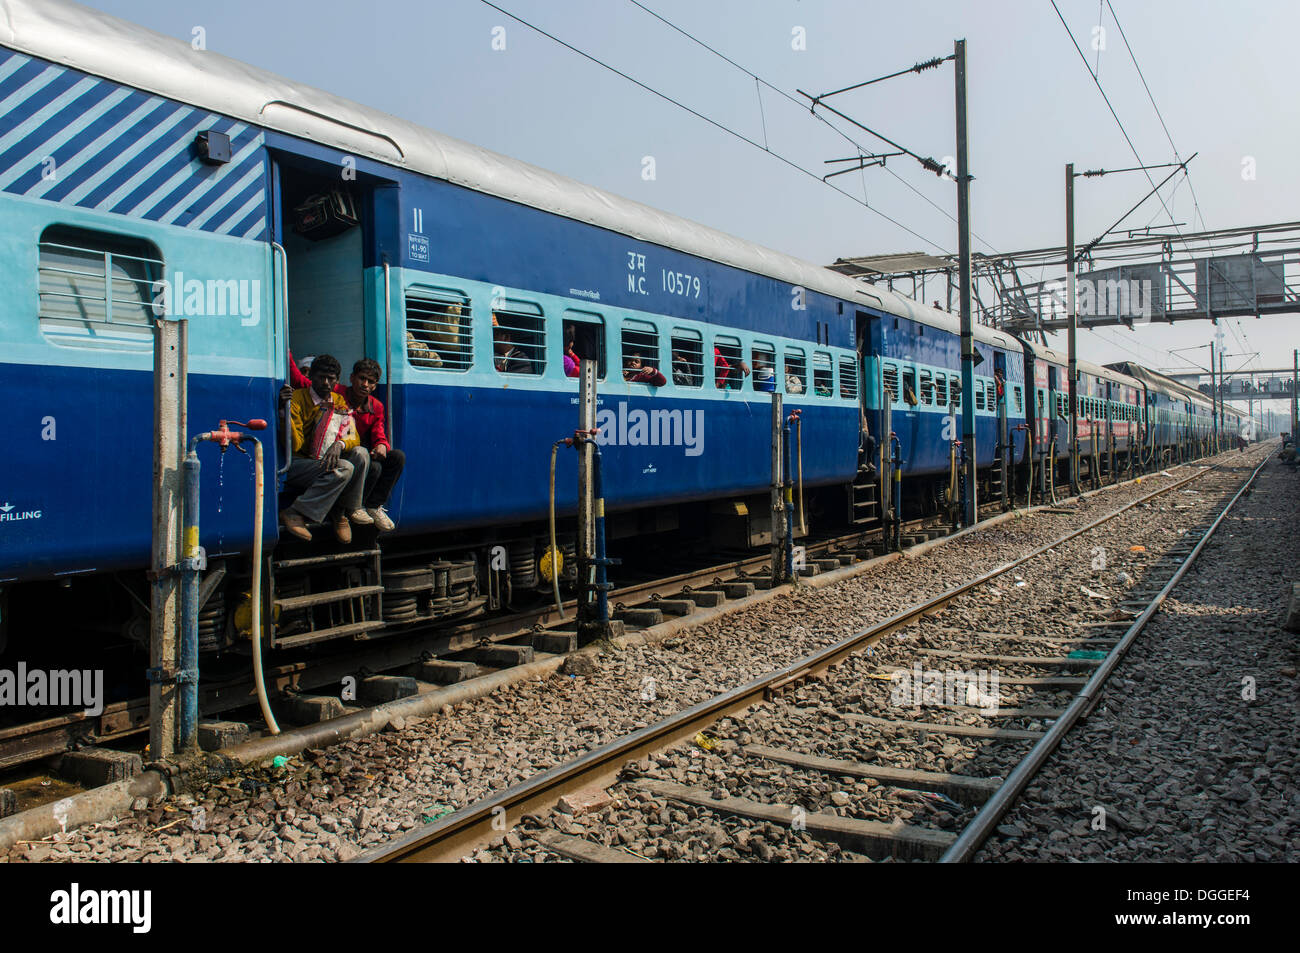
323, 432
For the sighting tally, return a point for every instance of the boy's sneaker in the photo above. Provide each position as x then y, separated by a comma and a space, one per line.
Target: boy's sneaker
379, 516
360, 517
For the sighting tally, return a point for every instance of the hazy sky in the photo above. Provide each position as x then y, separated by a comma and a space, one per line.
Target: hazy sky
1224, 76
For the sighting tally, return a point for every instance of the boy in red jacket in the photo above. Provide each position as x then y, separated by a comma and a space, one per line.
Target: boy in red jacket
386, 463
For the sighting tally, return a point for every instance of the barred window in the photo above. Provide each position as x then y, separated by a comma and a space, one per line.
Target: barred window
688, 358
519, 338
99, 289
909, 386
640, 344
727, 358
438, 323
849, 378
941, 390
927, 388
893, 392
954, 392
796, 370
979, 395
823, 374
1020, 400
764, 361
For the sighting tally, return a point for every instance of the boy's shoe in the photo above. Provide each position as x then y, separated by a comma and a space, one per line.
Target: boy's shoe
360, 517
379, 516
294, 524
342, 529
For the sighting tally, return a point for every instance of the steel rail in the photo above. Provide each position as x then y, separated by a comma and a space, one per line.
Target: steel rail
996, 806
449, 838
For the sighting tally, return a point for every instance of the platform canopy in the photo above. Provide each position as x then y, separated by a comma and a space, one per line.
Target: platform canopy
899, 263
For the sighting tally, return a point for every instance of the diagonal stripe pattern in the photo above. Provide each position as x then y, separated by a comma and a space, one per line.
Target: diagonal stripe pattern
84, 141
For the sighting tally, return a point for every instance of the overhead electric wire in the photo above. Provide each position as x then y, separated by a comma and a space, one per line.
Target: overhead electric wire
713, 122
1133, 57
1114, 114
802, 105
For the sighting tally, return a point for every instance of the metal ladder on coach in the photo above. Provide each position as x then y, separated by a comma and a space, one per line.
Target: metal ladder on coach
864, 498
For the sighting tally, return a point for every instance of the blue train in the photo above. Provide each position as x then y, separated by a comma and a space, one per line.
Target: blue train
140, 176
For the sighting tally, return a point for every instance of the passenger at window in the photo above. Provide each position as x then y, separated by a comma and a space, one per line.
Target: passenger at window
571, 362
764, 376
722, 369
793, 385
420, 354
323, 431
997, 379
682, 375
385, 463
510, 357
634, 372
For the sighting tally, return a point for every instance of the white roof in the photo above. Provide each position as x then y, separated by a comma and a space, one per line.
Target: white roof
103, 45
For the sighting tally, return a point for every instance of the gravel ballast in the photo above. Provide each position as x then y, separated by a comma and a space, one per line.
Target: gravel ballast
327, 805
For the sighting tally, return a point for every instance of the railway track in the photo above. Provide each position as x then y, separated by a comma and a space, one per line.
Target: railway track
119, 721
756, 755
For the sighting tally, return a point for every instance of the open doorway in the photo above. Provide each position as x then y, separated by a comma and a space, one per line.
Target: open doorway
320, 223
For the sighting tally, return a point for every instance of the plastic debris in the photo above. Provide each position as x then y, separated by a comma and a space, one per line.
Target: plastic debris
705, 741
1122, 577
881, 676
1022, 583
435, 812
1137, 549
1087, 654
1092, 595
279, 761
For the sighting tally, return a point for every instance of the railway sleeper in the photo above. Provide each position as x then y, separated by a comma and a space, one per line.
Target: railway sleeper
872, 838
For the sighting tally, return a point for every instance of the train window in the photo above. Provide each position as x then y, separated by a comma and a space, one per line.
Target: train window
438, 329
941, 390
640, 343
796, 370
1020, 400
97, 289
954, 392
909, 386
519, 338
849, 378
727, 360
927, 388
764, 361
688, 358
979, 395
573, 317
890, 373
823, 374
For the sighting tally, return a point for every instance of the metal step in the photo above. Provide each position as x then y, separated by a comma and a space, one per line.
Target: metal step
323, 598
333, 558
320, 635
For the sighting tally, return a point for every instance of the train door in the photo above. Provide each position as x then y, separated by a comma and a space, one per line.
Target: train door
1053, 403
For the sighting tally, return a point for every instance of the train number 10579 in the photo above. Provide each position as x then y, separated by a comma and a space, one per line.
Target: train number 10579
680, 283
